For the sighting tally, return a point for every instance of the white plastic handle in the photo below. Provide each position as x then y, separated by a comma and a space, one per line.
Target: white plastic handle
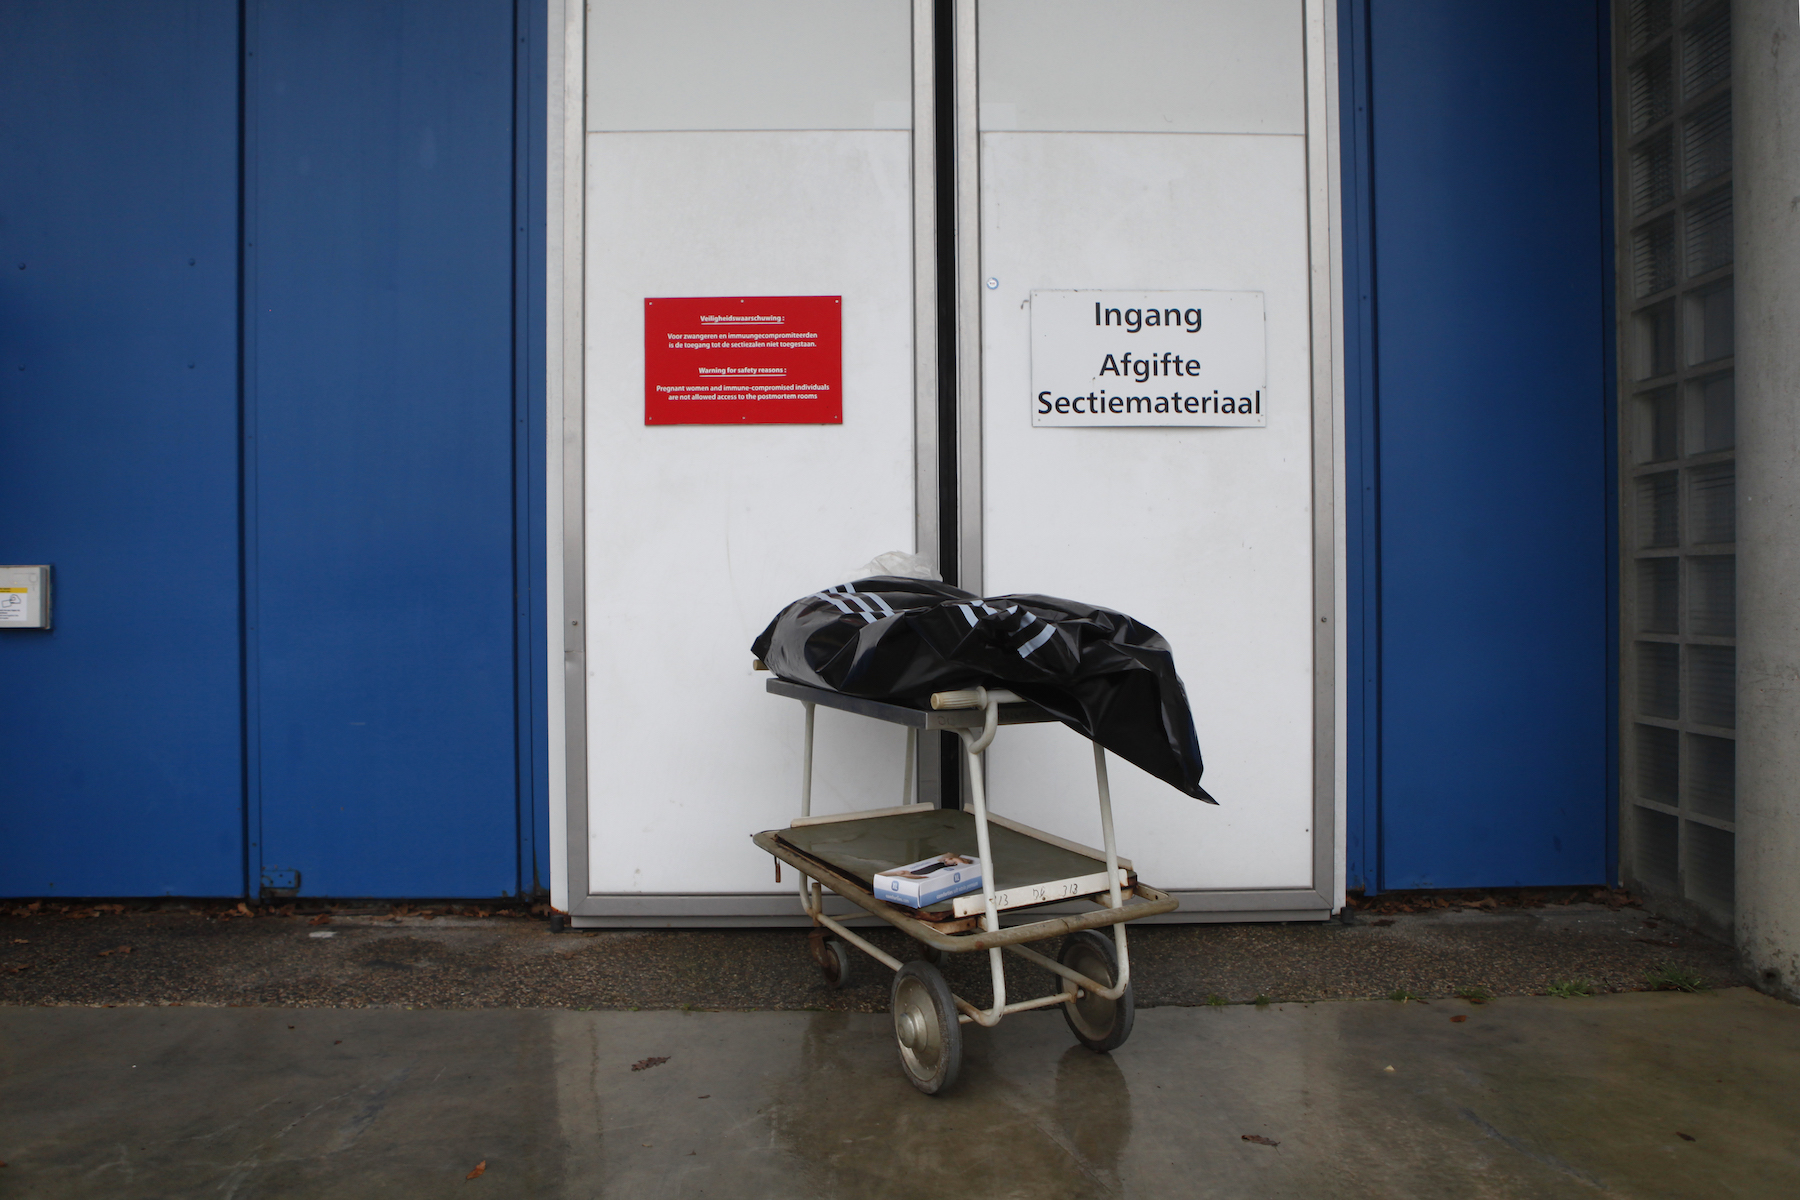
974, 698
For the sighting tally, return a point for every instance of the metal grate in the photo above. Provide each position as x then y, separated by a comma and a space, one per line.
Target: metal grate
1652, 88
1712, 595
1708, 233
1659, 411
1659, 680
1658, 510
1706, 50
1712, 498
1705, 143
1659, 595
1644, 20
1653, 256
1712, 776
1658, 845
1653, 173
1678, 493
1658, 757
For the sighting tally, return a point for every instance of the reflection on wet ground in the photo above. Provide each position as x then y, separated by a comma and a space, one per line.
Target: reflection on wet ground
1639, 1095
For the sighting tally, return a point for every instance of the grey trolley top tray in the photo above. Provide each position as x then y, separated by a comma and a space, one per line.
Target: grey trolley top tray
1029, 869
901, 714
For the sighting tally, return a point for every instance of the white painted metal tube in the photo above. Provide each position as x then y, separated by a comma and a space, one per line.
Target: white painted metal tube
988, 729
1073, 976
912, 752
806, 763
862, 944
978, 794
973, 1015
1112, 866
978, 697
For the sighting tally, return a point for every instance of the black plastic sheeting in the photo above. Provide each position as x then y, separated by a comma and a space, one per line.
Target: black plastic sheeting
1099, 672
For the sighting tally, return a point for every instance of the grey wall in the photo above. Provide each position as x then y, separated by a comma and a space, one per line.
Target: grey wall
1767, 184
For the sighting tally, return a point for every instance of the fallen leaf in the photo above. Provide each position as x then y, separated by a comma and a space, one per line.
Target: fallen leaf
339, 1042
116, 950
1383, 921
477, 1172
708, 1096
245, 909
646, 1063
21, 941
1686, 1137
1459, 1020
17, 969
1387, 1068
690, 1154
321, 919
1260, 1140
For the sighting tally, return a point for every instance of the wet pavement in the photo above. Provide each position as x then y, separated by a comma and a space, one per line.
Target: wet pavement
458, 961
1637, 1095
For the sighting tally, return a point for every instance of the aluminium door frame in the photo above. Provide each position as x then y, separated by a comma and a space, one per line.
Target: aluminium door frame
565, 590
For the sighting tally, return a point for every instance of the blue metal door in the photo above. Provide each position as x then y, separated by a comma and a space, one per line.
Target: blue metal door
1492, 330
120, 752
380, 443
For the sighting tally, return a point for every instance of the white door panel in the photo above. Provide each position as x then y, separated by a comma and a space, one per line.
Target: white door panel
1143, 66
698, 534
1205, 534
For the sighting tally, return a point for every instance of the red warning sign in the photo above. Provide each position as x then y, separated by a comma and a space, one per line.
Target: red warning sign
743, 360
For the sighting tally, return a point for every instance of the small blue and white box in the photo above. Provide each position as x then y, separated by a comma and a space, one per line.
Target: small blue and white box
924, 883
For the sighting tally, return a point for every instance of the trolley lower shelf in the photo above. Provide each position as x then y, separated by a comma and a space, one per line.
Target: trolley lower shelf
1032, 869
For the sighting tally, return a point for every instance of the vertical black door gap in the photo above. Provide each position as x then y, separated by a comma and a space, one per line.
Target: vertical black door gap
943, 74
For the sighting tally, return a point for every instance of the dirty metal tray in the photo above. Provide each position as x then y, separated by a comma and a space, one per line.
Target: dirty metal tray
960, 936
1026, 860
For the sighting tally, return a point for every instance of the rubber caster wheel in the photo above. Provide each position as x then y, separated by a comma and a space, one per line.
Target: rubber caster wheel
1097, 1023
833, 959
926, 1030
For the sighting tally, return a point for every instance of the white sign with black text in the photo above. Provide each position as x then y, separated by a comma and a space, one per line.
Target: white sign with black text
1147, 358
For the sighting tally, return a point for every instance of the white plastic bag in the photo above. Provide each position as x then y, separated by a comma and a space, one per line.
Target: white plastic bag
895, 562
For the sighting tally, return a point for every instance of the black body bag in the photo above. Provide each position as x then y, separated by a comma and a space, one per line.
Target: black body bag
1099, 672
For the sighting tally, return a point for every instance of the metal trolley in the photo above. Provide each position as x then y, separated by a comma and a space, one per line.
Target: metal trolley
1024, 868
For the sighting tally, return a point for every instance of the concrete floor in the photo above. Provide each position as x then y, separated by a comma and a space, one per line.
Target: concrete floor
459, 962
1527, 1097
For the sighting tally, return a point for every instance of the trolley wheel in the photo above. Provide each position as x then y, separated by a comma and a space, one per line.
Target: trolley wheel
925, 1028
832, 957
1097, 1023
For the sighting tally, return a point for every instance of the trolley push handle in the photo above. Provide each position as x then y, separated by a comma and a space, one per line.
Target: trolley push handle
978, 697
